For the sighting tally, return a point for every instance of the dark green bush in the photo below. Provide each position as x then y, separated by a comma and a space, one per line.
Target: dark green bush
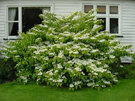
7, 70
127, 71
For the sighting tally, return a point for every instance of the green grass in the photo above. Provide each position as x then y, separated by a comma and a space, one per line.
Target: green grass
124, 91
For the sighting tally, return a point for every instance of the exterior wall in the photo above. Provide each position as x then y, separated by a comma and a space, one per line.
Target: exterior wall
63, 7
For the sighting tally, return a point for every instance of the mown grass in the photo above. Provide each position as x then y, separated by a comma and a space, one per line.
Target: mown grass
123, 91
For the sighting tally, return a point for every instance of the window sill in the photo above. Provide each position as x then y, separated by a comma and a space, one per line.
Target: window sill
119, 36
11, 38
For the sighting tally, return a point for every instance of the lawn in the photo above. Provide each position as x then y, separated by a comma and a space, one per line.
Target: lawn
123, 91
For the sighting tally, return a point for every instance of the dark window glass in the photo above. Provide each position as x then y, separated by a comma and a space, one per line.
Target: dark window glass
13, 28
114, 25
113, 9
103, 24
101, 9
87, 8
30, 17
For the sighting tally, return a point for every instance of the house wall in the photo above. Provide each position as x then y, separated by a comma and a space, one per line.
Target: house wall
63, 7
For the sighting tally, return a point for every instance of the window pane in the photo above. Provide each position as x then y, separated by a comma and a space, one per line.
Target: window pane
114, 25
30, 17
101, 9
113, 9
13, 14
103, 24
87, 8
13, 29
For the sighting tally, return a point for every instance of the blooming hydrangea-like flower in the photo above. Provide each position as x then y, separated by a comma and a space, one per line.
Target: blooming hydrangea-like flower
71, 85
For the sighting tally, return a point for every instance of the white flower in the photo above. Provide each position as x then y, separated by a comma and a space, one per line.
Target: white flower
115, 80
51, 54
36, 52
31, 33
59, 66
95, 73
32, 47
50, 79
99, 63
96, 85
83, 73
121, 66
94, 50
42, 50
69, 69
78, 69
78, 82
40, 73
24, 79
106, 66
61, 54
100, 70
89, 84
46, 58
34, 57
17, 56
73, 52
63, 77
102, 40
93, 38
56, 71
15, 51
6, 57
60, 80
38, 79
103, 86
111, 56
107, 82
50, 73
132, 52
71, 85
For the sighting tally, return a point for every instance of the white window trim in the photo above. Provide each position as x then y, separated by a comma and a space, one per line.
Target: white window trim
20, 16
107, 15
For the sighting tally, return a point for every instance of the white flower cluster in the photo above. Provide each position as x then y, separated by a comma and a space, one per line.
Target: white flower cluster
61, 54
78, 69
38, 69
59, 66
25, 80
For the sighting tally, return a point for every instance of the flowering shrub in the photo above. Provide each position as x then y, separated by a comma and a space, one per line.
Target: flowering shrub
68, 51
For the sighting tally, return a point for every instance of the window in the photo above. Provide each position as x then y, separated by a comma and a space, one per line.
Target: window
87, 8
23, 18
113, 25
101, 9
109, 14
113, 9
103, 24
13, 21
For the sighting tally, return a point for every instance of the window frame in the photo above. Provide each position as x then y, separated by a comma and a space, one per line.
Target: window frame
107, 15
20, 16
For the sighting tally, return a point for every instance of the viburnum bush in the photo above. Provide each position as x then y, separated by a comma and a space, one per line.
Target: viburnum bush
69, 51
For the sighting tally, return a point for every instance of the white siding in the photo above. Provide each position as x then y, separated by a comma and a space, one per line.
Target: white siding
2, 21
128, 23
64, 7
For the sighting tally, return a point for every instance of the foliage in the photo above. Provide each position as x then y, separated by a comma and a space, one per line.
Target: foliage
128, 71
7, 71
68, 51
